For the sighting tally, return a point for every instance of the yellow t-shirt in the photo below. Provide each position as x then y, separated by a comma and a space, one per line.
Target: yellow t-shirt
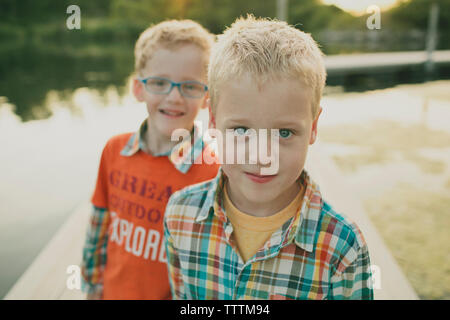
251, 233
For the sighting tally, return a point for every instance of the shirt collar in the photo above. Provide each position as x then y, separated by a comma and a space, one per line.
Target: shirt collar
213, 200
304, 226
182, 155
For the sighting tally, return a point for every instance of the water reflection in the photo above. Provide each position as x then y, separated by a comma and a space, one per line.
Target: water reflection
49, 167
30, 71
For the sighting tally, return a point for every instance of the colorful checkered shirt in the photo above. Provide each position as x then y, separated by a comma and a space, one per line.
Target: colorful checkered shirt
94, 250
317, 254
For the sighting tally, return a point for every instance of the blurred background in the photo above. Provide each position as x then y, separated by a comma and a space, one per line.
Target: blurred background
385, 125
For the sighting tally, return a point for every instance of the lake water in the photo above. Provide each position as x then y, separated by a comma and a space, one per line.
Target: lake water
380, 139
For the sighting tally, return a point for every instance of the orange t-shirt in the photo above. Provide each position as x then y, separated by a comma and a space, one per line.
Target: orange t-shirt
135, 190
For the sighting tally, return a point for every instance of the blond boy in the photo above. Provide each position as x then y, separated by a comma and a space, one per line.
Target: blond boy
124, 254
248, 234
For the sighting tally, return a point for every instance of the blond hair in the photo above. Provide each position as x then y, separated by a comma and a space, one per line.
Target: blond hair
171, 34
266, 49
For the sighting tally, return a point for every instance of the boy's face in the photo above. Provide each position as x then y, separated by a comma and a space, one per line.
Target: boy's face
168, 112
284, 105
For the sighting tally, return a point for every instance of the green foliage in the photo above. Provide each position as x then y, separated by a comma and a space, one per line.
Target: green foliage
217, 14
312, 16
119, 16
414, 14
32, 12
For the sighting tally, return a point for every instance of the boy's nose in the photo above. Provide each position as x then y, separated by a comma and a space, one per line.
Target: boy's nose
268, 152
175, 95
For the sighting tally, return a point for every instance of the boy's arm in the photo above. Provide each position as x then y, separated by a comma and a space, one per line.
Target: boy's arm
355, 282
94, 253
174, 268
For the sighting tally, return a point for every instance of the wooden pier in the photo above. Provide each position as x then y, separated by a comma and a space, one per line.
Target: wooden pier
340, 65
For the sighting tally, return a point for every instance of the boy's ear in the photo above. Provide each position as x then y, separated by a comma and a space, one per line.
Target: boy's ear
138, 90
205, 103
313, 136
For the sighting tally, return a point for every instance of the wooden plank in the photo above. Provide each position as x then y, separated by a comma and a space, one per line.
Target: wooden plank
46, 277
342, 64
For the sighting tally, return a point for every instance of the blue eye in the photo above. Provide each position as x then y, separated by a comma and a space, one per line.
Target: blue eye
157, 82
285, 133
240, 131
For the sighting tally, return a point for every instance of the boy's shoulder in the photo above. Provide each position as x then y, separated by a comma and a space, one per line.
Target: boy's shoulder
319, 217
339, 223
118, 141
338, 238
114, 146
190, 200
321, 228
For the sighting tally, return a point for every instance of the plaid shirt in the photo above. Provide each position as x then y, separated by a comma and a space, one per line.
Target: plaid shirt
317, 254
94, 251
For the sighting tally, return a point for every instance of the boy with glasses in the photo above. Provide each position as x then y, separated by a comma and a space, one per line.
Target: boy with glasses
124, 252
252, 233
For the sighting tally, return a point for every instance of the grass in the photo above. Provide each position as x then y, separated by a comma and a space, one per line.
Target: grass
425, 164
413, 221
382, 134
382, 140
350, 163
415, 225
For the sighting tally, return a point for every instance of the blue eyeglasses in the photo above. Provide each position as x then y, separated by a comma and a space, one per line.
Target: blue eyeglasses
190, 89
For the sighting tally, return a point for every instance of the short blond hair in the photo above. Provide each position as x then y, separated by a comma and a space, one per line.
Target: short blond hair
171, 34
266, 49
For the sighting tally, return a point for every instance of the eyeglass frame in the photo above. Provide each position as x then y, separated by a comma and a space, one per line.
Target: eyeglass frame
172, 85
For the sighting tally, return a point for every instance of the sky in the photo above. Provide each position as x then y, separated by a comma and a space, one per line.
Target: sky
360, 6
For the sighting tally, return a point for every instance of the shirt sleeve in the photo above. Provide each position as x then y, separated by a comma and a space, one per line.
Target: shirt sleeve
355, 282
174, 268
94, 251
101, 192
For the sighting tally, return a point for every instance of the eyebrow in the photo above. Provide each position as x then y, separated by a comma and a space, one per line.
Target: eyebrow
165, 76
278, 124
289, 123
